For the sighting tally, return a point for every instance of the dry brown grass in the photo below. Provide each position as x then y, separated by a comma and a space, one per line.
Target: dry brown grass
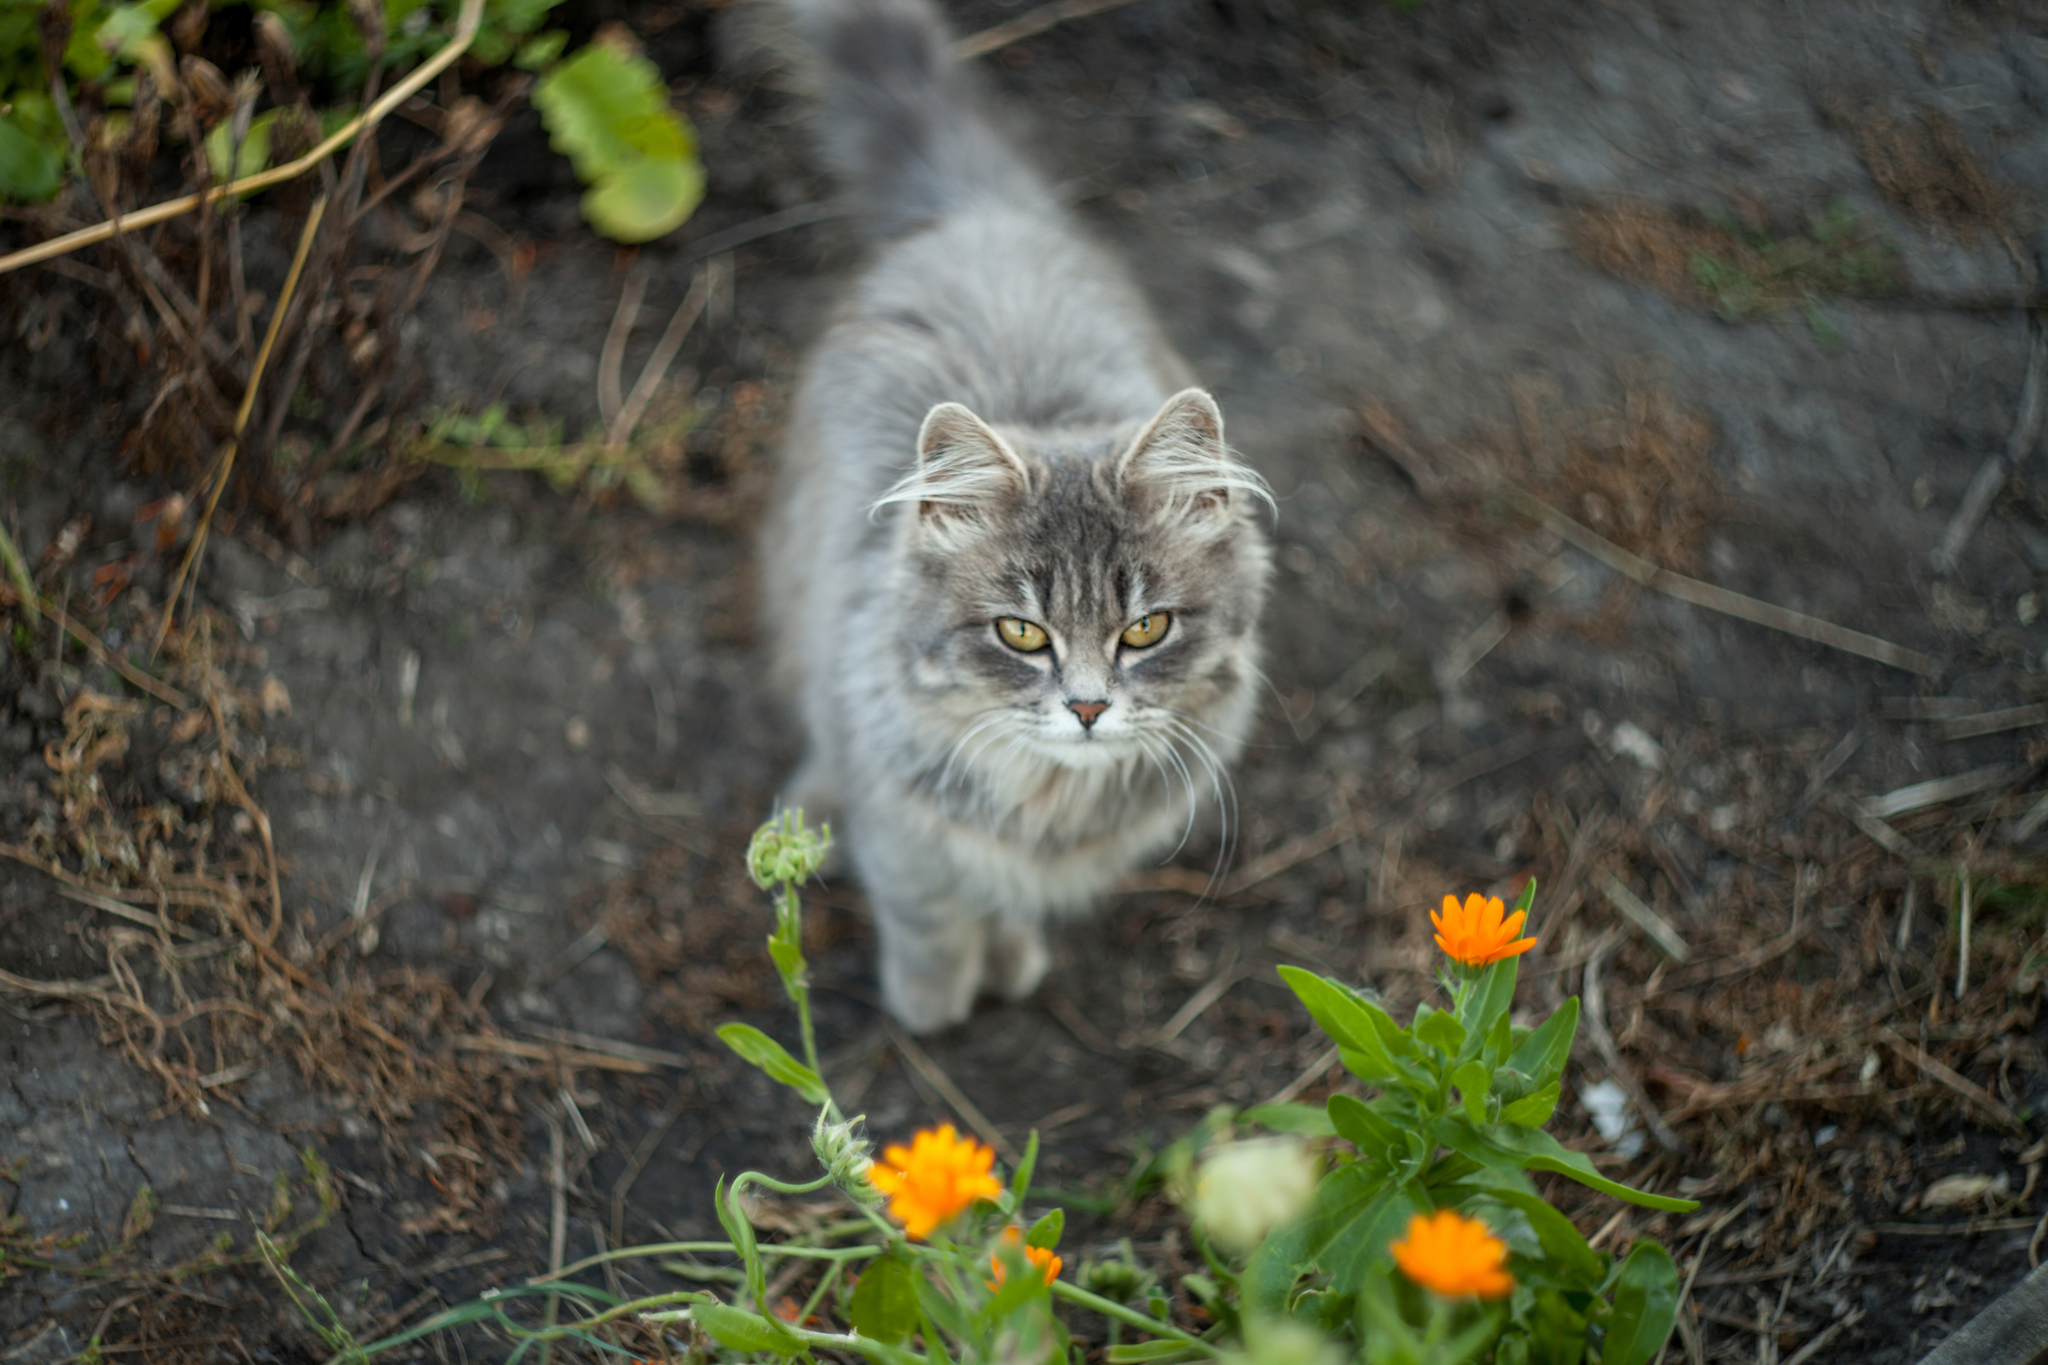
1925, 166
206, 976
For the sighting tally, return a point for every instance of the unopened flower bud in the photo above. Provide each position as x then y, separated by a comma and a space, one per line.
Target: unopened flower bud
1118, 1281
846, 1156
1243, 1190
786, 850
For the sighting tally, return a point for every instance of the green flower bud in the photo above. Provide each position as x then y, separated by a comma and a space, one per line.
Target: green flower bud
1119, 1281
1509, 1084
785, 850
846, 1156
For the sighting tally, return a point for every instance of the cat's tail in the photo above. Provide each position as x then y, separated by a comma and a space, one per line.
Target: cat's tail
897, 116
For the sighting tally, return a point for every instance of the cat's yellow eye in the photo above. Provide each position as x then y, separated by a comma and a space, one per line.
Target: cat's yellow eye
1021, 635
1148, 629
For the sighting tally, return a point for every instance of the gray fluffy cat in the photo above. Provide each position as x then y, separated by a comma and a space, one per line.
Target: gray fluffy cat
1014, 574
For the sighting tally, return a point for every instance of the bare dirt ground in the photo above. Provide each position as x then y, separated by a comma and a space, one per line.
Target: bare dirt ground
1498, 296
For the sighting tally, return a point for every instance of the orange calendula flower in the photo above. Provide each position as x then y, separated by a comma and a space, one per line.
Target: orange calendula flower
1451, 1254
939, 1174
1042, 1257
1476, 933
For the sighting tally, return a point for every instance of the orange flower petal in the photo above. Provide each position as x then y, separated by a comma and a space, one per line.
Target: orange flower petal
1480, 932
935, 1179
1450, 1254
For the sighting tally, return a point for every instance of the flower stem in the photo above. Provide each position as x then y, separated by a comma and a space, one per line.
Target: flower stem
1110, 1308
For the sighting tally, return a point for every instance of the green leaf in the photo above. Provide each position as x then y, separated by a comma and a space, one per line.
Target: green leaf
764, 1052
1571, 1263
1645, 1306
1143, 1352
788, 957
1490, 1001
1354, 1120
540, 50
884, 1302
253, 156
1440, 1029
1543, 1053
1474, 1081
1045, 1233
1348, 1017
1530, 1149
1355, 1214
741, 1232
1309, 1120
1533, 1111
607, 110
29, 171
739, 1330
1021, 1283
1020, 1183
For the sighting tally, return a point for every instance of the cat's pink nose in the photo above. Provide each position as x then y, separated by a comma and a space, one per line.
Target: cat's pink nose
1088, 711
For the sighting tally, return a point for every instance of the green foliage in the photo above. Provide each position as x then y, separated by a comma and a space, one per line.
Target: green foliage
606, 109
1837, 256
605, 106
1456, 1124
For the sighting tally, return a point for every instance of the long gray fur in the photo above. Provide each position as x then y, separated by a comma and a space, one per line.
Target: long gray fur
994, 427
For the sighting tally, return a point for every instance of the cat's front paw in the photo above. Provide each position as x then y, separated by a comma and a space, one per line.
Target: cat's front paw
926, 1006
1018, 959
930, 985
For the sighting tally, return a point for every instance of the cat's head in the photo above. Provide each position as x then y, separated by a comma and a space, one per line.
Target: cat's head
1088, 596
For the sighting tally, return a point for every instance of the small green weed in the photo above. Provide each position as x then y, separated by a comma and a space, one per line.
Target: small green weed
1740, 272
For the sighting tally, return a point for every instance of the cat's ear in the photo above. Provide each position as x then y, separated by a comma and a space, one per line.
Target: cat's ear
964, 472
1180, 467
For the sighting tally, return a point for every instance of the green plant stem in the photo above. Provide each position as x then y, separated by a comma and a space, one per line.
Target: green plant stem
854, 1253
791, 915
1110, 1308
825, 1282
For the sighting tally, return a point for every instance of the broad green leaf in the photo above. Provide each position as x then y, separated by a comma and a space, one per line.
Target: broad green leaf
1557, 1330
1364, 1240
1356, 1018
884, 1302
1500, 1040
1333, 1010
1531, 1149
764, 1052
1533, 1111
739, 1330
1527, 899
29, 171
1440, 1029
1490, 1001
1544, 1052
1354, 1120
1309, 1120
1571, 1263
1045, 1233
1355, 1214
1474, 1081
607, 110
645, 200
1645, 1306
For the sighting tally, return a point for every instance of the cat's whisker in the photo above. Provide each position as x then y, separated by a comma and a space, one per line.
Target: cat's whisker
1187, 784
1221, 786
988, 719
